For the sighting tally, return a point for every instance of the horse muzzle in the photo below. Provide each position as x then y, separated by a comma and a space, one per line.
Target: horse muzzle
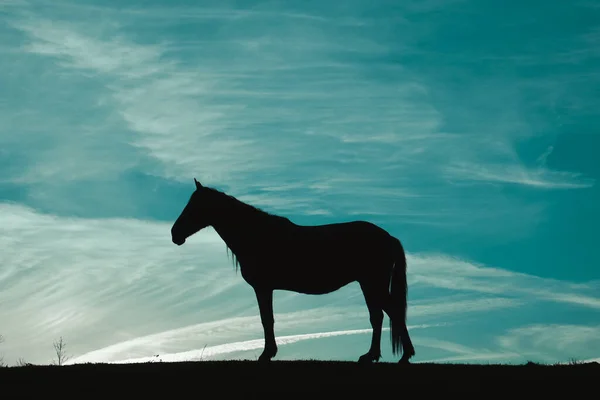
178, 241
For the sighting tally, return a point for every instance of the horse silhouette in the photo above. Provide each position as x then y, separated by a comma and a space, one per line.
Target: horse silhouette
274, 253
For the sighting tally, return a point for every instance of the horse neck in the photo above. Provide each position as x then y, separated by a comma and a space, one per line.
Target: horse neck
234, 224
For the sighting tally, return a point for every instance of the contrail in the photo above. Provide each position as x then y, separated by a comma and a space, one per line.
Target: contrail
207, 352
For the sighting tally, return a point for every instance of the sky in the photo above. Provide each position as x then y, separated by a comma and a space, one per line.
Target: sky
467, 129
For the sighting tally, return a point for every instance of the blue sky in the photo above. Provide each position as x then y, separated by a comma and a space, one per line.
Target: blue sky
467, 129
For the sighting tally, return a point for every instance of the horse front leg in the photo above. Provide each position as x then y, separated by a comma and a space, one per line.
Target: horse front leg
265, 306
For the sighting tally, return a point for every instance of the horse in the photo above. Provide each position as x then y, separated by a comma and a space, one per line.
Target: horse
274, 253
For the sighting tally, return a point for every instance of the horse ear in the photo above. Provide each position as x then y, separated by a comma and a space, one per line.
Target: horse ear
198, 184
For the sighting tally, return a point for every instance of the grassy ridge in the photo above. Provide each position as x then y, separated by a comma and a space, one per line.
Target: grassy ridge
283, 379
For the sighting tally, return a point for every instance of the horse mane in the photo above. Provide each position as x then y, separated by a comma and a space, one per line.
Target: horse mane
246, 210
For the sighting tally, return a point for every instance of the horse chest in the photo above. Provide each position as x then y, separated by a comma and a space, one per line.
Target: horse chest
261, 271
253, 274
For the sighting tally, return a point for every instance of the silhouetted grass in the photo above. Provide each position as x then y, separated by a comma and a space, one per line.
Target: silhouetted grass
284, 379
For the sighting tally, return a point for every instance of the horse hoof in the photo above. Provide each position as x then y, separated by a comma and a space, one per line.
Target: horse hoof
405, 360
264, 358
367, 359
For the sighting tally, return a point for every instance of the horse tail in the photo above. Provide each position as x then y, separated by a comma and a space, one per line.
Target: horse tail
398, 295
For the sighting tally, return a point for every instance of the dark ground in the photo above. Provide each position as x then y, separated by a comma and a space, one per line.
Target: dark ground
285, 379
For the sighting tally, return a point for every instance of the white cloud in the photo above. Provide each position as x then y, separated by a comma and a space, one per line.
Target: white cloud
205, 353
446, 272
543, 158
108, 281
462, 353
77, 50
7, 3
539, 177
217, 115
436, 308
553, 342
288, 117
90, 279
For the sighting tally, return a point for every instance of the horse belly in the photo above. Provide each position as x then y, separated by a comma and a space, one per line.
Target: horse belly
313, 275
309, 285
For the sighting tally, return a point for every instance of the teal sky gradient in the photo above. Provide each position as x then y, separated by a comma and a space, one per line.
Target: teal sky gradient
468, 129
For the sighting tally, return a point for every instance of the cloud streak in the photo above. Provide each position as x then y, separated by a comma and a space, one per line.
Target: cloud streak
572, 342
453, 134
446, 272
87, 280
534, 177
210, 352
220, 116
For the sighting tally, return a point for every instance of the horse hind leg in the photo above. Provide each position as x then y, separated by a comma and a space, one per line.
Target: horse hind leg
408, 350
398, 323
374, 302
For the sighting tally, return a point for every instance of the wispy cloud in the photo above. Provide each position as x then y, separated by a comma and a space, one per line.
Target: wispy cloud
253, 105
99, 282
534, 177
206, 353
456, 274
436, 307
313, 110
462, 353
542, 342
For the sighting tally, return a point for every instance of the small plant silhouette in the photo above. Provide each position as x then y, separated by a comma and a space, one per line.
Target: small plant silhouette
1, 355
60, 348
22, 363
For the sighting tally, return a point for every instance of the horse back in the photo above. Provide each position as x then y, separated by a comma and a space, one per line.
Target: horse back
321, 258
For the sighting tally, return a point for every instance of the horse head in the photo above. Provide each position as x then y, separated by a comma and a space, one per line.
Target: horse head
194, 217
